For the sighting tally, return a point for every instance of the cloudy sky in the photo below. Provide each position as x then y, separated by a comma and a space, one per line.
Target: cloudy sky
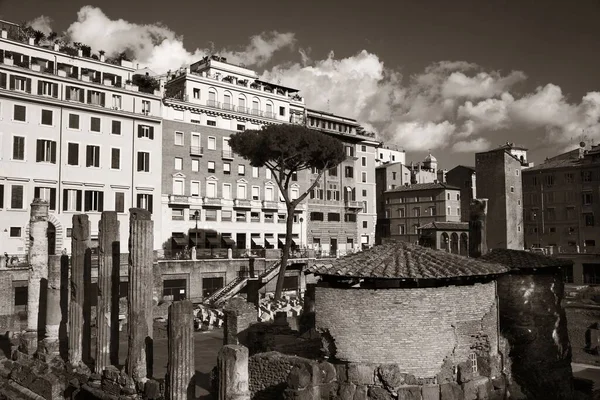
450, 77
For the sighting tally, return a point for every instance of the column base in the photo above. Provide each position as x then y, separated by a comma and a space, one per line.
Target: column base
28, 342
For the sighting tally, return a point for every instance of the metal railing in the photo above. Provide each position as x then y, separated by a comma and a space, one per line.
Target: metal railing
213, 253
196, 150
227, 154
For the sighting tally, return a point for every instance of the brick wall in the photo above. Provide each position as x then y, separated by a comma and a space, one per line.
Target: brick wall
414, 328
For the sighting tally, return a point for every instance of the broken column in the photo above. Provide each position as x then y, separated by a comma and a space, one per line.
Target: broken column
7, 303
53, 310
180, 364
80, 252
107, 311
477, 228
38, 276
139, 320
233, 373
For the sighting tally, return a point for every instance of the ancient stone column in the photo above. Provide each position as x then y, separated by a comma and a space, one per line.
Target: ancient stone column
7, 303
139, 320
477, 228
180, 363
53, 310
233, 373
38, 275
80, 249
107, 311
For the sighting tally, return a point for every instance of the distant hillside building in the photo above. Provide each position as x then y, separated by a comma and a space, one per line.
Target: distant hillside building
407, 208
502, 186
463, 176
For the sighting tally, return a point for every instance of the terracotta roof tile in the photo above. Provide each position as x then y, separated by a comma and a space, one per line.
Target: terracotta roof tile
521, 259
402, 260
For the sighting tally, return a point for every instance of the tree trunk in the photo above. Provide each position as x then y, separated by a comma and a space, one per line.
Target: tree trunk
286, 251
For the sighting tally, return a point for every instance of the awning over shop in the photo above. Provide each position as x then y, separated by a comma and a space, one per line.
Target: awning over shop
282, 241
294, 242
193, 239
180, 241
256, 244
229, 241
213, 241
270, 241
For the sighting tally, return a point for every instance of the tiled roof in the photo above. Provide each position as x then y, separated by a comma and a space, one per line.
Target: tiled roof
423, 186
402, 260
449, 226
521, 259
559, 163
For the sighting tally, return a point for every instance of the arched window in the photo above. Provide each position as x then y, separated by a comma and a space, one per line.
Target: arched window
242, 104
454, 243
212, 98
269, 110
255, 106
464, 244
227, 105
445, 242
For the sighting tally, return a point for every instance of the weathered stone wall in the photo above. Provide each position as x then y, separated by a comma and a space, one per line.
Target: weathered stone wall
269, 373
534, 324
415, 328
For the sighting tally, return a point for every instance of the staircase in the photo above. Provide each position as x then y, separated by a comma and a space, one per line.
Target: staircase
227, 291
270, 272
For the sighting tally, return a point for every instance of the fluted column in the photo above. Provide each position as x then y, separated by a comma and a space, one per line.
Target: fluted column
233, 373
107, 314
38, 276
180, 363
80, 249
53, 311
139, 321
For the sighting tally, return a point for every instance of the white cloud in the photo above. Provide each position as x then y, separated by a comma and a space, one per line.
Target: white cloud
489, 114
472, 146
481, 86
422, 136
42, 24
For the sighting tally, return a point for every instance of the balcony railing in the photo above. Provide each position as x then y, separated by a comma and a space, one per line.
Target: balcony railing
228, 106
196, 150
211, 201
270, 114
227, 154
242, 203
213, 103
353, 204
269, 205
243, 110
256, 112
180, 199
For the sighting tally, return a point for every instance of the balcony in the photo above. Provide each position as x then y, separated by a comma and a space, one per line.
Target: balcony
196, 150
270, 114
242, 203
213, 104
353, 204
243, 110
256, 112
228, 106
227, 155
212, 201
269, 205
178, 199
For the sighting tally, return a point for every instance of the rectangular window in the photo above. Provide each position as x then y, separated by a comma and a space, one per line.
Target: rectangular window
211, 215
144, 201
195, 189
587, 198
96, 98
18, 148
15, 231
20, 113
16, 197
316, 216
211, 189
227, 191
195, 165
212, 143
211, 166
363, 148
365, 224
196, 93
73, 154
349, 217
20, 83
268, 173
46, 193
143, 161
241, 192
95, 124
145, 107
116, 101
210, 122
45, 151
269, 193
335, 217
178, 138
241, 170
282, 111
586, 176
73, 121
75, 94
241, 127
115, 158
589, 219
227, 168
72, 200
178, 163
226, 215
363, 177
364, 161
47, 117
145, 131
255, 172
332, 171
1, 196
348, 172
116, 128
178, 186
92, 156
255, 193
120, 202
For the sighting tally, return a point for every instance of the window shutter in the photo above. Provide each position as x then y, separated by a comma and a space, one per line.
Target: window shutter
36, 192
140, 132
65, 199
12, 82
150, 203
1, 196
16, 200
40, 88
139, 201
88, 201
39, 151
140, 162
96, 151
81, 95
89, 96
53, 152
89, 152
147, 162
100, 201
53, 198
103, 99
28, 85
78, 201
3, 80
55, 90
119, 202
151, 129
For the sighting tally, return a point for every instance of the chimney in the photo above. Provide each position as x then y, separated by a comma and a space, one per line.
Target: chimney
477, 228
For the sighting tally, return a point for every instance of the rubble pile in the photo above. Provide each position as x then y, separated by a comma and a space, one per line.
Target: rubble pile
206, 319
268, 308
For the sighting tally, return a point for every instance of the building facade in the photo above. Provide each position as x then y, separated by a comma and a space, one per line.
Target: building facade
387, 154
502, 187
206, 185
561, 200
452, 237
463, 176
76, 132
342, 208
409, 207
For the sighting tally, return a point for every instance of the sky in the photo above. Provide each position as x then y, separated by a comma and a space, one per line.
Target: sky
446, 77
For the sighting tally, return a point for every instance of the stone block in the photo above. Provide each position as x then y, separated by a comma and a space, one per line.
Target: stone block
379, 393
299, 394
390, 375
327, 373
300, 377
361, 393
465, 372
476, 389
346, 390
361, 374
409, 393
451, 391
152, 390
431, 392
328, 390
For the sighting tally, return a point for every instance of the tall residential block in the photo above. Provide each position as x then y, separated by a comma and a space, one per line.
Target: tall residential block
463, 176
503, 188
75, 131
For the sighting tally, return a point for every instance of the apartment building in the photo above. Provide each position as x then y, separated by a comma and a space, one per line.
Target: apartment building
463, 176
342, 208
407, 208
76, 132
561, 200
206, 185
503, 188
387, 153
